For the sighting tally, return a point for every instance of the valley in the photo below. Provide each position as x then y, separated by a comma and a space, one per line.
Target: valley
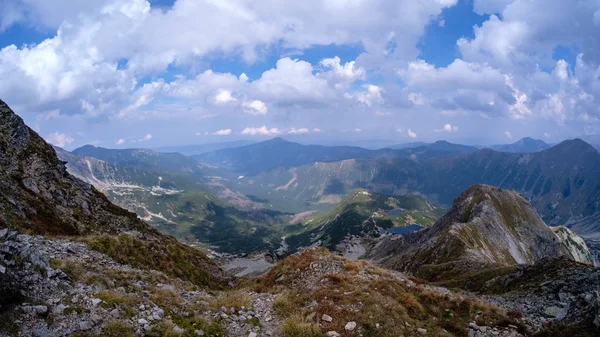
74, 263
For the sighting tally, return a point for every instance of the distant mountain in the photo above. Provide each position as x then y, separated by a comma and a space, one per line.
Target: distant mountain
181, 204
361, 214
279, 153
407, 145
525, 145
561, 182
485, 225
142, 158
190, 150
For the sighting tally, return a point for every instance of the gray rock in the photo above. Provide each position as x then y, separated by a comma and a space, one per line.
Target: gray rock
333, 334
252, 334
142, 321
96, 319
43, 332
326, 318
85, 325
2, 269
552, 312
199, 332
422, 331
350, 326
3, 233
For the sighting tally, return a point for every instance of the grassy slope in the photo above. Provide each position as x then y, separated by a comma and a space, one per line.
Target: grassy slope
359, 214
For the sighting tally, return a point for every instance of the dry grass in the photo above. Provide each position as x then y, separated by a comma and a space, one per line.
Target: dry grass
113, 299
295, 327
381, 304
166, 299
285, 306
232, 299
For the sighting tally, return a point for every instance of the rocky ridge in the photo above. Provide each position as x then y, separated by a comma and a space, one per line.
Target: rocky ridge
485, 225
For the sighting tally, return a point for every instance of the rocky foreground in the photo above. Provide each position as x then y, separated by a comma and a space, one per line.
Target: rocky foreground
61, 287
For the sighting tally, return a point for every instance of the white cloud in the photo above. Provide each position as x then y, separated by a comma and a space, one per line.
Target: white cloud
372, 95
357, 130
146, 138
316, 130
121, 141
411, 134
342, 75
59, 139
508, 134
256, 107
301, 131
261, 131
447, 128
224, 132
224, 97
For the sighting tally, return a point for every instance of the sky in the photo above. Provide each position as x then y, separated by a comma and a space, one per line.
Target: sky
137, 73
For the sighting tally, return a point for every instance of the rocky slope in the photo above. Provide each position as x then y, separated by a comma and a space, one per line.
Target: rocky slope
485, 225
41, 197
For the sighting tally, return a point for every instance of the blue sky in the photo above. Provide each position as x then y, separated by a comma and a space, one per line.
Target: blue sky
133, 73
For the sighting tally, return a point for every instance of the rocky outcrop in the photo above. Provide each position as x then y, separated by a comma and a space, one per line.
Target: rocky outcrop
60, 287
577, 248
485, 225
549, 293
39, 195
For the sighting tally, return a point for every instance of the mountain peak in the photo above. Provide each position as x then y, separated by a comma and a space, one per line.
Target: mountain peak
487, 225
574, 144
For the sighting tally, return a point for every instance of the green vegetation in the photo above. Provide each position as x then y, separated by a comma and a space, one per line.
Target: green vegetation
166, 328
167, 256
115, 329
361, 213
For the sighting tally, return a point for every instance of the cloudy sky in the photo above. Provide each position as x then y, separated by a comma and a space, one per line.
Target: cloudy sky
132, 73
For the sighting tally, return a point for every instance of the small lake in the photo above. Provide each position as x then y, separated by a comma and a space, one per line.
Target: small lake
405, 229
395, 212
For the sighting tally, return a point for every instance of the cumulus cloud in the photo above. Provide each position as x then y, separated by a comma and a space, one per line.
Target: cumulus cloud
59, 139
97, 64
372, 95
224, 97
256, 107
508, 134
447, 128
223, 132
411, 134
342, 75
121, 141
260, 131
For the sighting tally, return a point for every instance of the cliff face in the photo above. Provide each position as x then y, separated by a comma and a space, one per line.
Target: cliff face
41, 197
485, 225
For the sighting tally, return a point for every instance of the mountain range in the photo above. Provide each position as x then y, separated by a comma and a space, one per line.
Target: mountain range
279, 153
74, 264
